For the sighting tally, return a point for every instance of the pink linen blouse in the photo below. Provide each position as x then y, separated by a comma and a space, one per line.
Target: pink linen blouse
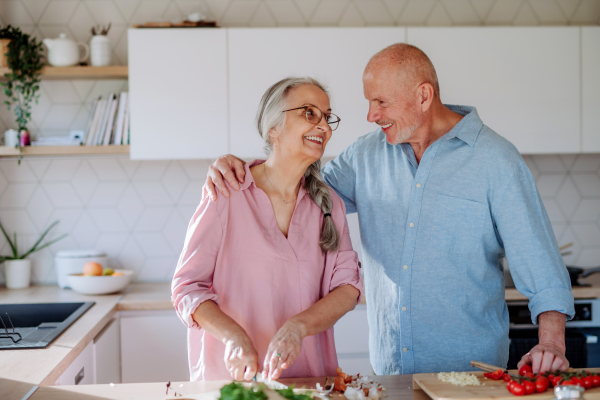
235, 255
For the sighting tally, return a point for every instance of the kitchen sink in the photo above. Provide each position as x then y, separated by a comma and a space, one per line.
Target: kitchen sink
36, 325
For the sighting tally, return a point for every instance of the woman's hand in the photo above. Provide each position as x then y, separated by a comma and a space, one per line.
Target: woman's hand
283, 349
241, 358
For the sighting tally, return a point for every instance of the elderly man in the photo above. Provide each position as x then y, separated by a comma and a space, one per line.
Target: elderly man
441, 198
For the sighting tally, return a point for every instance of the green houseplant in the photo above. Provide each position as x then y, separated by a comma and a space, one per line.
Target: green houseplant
24, 58
17, 269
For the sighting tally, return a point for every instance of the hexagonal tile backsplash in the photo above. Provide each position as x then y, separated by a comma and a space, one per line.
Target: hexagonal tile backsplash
138, 211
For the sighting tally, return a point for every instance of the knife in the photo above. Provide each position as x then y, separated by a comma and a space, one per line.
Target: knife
491, 368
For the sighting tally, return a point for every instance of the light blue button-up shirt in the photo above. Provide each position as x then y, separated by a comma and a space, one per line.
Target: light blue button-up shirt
432, 236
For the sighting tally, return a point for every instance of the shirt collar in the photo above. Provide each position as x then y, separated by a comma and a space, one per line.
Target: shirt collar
467, 128
249, 179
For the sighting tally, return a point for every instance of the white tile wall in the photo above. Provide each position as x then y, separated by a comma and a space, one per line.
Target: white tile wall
138, 211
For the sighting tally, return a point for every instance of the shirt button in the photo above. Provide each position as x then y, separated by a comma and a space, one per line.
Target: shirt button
403, 308
411, 225
405, 349
418, 185
405, 266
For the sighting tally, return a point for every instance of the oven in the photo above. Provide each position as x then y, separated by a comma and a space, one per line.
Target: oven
581, 334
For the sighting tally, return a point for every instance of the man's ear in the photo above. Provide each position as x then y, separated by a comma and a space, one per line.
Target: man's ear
425, 94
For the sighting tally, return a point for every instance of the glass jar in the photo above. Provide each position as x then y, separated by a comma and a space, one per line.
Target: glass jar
568, 392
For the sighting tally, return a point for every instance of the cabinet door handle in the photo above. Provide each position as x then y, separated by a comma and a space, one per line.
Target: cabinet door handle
79, 376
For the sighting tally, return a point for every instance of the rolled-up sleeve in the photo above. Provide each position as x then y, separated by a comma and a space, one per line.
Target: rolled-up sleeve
531, 249
192, 282
346, 270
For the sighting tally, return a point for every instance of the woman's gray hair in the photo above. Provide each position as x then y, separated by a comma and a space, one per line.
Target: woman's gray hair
270, 117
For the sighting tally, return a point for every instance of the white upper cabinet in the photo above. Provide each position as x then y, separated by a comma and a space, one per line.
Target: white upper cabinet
524, 82
178, 93
336, 56
590, 69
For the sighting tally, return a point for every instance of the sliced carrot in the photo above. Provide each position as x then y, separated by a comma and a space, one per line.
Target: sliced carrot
339, 384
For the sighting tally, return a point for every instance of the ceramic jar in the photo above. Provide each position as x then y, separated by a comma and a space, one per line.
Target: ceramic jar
100, 51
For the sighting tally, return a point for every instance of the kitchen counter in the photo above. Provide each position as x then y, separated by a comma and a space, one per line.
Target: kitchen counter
397, 387
20, 370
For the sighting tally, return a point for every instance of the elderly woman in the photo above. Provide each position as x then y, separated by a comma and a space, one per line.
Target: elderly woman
265, 273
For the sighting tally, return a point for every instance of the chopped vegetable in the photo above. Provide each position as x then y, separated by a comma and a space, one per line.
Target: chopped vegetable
237, 391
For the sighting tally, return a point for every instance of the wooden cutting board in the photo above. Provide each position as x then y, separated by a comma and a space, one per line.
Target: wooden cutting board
489, 389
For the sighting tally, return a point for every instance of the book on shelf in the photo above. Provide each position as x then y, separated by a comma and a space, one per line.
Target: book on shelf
108, 123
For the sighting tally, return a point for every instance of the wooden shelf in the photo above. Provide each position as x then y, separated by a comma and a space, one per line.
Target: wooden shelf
62, 150
78, 72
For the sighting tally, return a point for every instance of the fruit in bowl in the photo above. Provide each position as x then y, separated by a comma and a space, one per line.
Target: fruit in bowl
92, 268
100, 284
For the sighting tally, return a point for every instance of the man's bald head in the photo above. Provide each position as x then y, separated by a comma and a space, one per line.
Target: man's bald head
409, 63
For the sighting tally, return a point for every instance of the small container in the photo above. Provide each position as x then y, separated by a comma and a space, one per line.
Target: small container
68, 262
100, 51
568, 392
24, 138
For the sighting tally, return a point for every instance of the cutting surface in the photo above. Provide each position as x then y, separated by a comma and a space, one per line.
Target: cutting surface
489, 389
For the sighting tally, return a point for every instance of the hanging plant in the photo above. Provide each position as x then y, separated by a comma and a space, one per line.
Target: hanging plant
22, 85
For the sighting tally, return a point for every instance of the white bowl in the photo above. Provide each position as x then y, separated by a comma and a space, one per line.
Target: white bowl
100, 284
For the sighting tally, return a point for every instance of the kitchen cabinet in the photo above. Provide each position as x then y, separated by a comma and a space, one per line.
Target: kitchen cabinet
81, 371
107, 354
153, 347
336, 56
524, 82
178, 93
590, 78
351, 334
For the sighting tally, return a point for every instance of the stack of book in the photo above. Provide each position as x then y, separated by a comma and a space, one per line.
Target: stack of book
108, 122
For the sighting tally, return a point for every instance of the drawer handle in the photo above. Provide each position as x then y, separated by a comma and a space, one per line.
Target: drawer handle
79, 376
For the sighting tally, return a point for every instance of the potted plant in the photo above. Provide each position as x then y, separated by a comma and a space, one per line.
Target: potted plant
17, 269
24, 58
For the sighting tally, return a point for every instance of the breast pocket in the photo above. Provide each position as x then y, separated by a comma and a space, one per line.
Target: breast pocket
457, 224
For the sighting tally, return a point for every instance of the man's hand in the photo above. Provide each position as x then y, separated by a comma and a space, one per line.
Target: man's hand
549, 354
545, 357
229, 167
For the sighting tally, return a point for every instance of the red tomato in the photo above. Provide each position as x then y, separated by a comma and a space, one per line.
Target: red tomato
567, 383
595, 380
587, 382
541, 384
555, 381
508, 378
529, 387
525, 369
498, 374
486, 374
517, 389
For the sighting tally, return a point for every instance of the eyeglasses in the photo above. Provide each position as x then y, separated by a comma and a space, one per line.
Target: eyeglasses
314, 116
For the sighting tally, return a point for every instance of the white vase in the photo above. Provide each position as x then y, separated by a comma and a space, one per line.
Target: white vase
17, 273
100, 50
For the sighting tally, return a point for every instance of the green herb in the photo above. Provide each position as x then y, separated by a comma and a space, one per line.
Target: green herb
237, 391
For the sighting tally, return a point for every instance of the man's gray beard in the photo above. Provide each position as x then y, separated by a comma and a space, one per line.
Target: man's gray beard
406, 132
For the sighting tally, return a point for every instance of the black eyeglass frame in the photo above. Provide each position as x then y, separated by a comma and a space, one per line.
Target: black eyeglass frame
337, 122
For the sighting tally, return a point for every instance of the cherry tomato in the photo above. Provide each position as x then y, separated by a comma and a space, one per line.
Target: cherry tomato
587, 382
595, 380
567, 383
529, 387
498, 374
486, 374
508, 378
541, 384
555, 381
525, 369
576, 381
517, 389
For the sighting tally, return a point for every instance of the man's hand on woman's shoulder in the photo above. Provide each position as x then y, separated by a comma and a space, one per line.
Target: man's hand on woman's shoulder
229, 167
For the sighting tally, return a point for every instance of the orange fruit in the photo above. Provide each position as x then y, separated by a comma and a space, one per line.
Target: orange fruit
117, 274
92, 268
